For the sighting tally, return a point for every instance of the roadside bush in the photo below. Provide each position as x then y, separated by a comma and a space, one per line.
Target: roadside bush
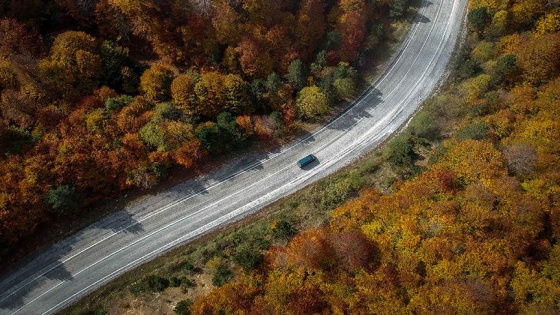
424, 126
333, 194
370, 166
388, 182
401, 152
222, 276
356, 180
151, 283
188, 267
248, 258
95, 312
283, 230
186, 284
475, 131
183, 307
175, 282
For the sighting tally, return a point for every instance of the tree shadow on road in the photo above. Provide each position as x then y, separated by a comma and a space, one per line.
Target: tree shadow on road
422, 4
421, 19
121, 221
17, 284
349, 117
191, 187
245, 163
48, 264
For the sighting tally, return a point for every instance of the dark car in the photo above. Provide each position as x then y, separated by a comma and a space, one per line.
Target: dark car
306, 160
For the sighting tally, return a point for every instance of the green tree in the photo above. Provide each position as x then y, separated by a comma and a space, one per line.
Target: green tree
273, 82
113, 59
401, 152
475, 131
63, 200
506, 71
183, 307
229, 125
116, 103
479, 19
152, 135
208, 134
345, 88
296, 74
398, 8
222, 276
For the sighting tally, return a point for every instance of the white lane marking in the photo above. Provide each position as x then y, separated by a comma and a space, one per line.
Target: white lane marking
402, 79
191, 235
170, 224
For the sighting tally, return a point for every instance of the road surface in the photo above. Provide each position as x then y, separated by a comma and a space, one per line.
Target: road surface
72, 268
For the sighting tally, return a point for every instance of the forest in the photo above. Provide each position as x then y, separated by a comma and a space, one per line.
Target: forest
476, 229
105, 96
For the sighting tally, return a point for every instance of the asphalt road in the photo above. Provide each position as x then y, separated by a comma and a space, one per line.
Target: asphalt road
82, 263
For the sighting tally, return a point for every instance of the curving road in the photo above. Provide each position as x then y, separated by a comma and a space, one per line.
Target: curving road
78, 265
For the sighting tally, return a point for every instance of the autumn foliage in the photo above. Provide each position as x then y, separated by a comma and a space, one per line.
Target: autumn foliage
478, 230
98, 97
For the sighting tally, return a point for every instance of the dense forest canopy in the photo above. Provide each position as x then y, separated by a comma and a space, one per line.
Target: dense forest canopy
101, 96
475, 231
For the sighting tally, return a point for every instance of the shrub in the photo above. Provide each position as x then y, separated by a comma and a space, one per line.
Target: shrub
175, 282
424, 126
283, 230
151, 283
475, 131
388, 182
222, 276
248, 258
334, 194
189, 268
95, 312
401, 152
183, 307
186, 283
